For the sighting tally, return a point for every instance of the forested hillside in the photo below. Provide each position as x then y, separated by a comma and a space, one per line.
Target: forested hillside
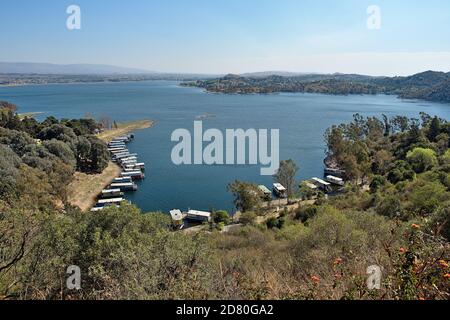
430, 85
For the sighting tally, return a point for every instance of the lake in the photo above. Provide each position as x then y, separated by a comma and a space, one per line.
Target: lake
301, 118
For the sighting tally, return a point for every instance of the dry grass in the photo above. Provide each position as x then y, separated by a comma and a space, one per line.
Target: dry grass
29, 115
125, 128
85, 188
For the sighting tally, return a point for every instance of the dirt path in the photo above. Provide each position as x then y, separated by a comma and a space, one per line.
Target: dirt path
279, 209
85, 188
125, 128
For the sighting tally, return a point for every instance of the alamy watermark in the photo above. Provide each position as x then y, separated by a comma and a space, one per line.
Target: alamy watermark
374, 19
73, 21
375, 274
73, 282
228, 149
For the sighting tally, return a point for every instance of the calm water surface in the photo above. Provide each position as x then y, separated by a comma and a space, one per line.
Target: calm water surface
301, 118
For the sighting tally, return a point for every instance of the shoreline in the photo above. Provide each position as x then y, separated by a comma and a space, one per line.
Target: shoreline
82, 82
125, 128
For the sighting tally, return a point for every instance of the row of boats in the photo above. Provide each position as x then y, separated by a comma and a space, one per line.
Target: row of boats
131, 171
314, 183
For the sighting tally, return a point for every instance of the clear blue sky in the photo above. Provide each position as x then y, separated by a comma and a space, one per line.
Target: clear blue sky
221, 36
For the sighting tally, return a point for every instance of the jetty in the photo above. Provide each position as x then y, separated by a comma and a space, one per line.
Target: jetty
130, 171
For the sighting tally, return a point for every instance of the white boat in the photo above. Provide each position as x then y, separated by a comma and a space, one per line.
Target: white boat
335, 180
124, 186
110, 201
196, 215
110, 193
280, 190
326, 186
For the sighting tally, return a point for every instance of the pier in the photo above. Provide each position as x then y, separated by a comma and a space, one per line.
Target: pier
131, 170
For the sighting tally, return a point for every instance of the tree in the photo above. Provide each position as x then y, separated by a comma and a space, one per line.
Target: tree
247, 217
425, 118
92, 154
446, 157
434, 129
286, 176
105, 122
278, 223
400, 123
99, 155
422, 159
58, 132
9, 165
62, 151
304, 214
221, 217
427, 196
247, 196
306, 191
334, 139
400, 171
8, 106
377, 183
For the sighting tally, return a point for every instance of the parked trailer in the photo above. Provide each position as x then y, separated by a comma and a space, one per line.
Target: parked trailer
124, 186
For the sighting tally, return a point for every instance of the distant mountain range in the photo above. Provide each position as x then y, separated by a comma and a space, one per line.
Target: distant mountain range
429, 85
73, 69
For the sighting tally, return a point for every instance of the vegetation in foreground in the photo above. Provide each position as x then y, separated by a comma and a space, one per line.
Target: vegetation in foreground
400, 222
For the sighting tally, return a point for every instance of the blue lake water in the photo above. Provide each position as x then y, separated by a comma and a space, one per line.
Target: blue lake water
301, 118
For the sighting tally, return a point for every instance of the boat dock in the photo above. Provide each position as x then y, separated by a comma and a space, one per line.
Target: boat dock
132, 170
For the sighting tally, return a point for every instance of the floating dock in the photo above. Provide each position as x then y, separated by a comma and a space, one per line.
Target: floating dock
125, 186
131, 170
